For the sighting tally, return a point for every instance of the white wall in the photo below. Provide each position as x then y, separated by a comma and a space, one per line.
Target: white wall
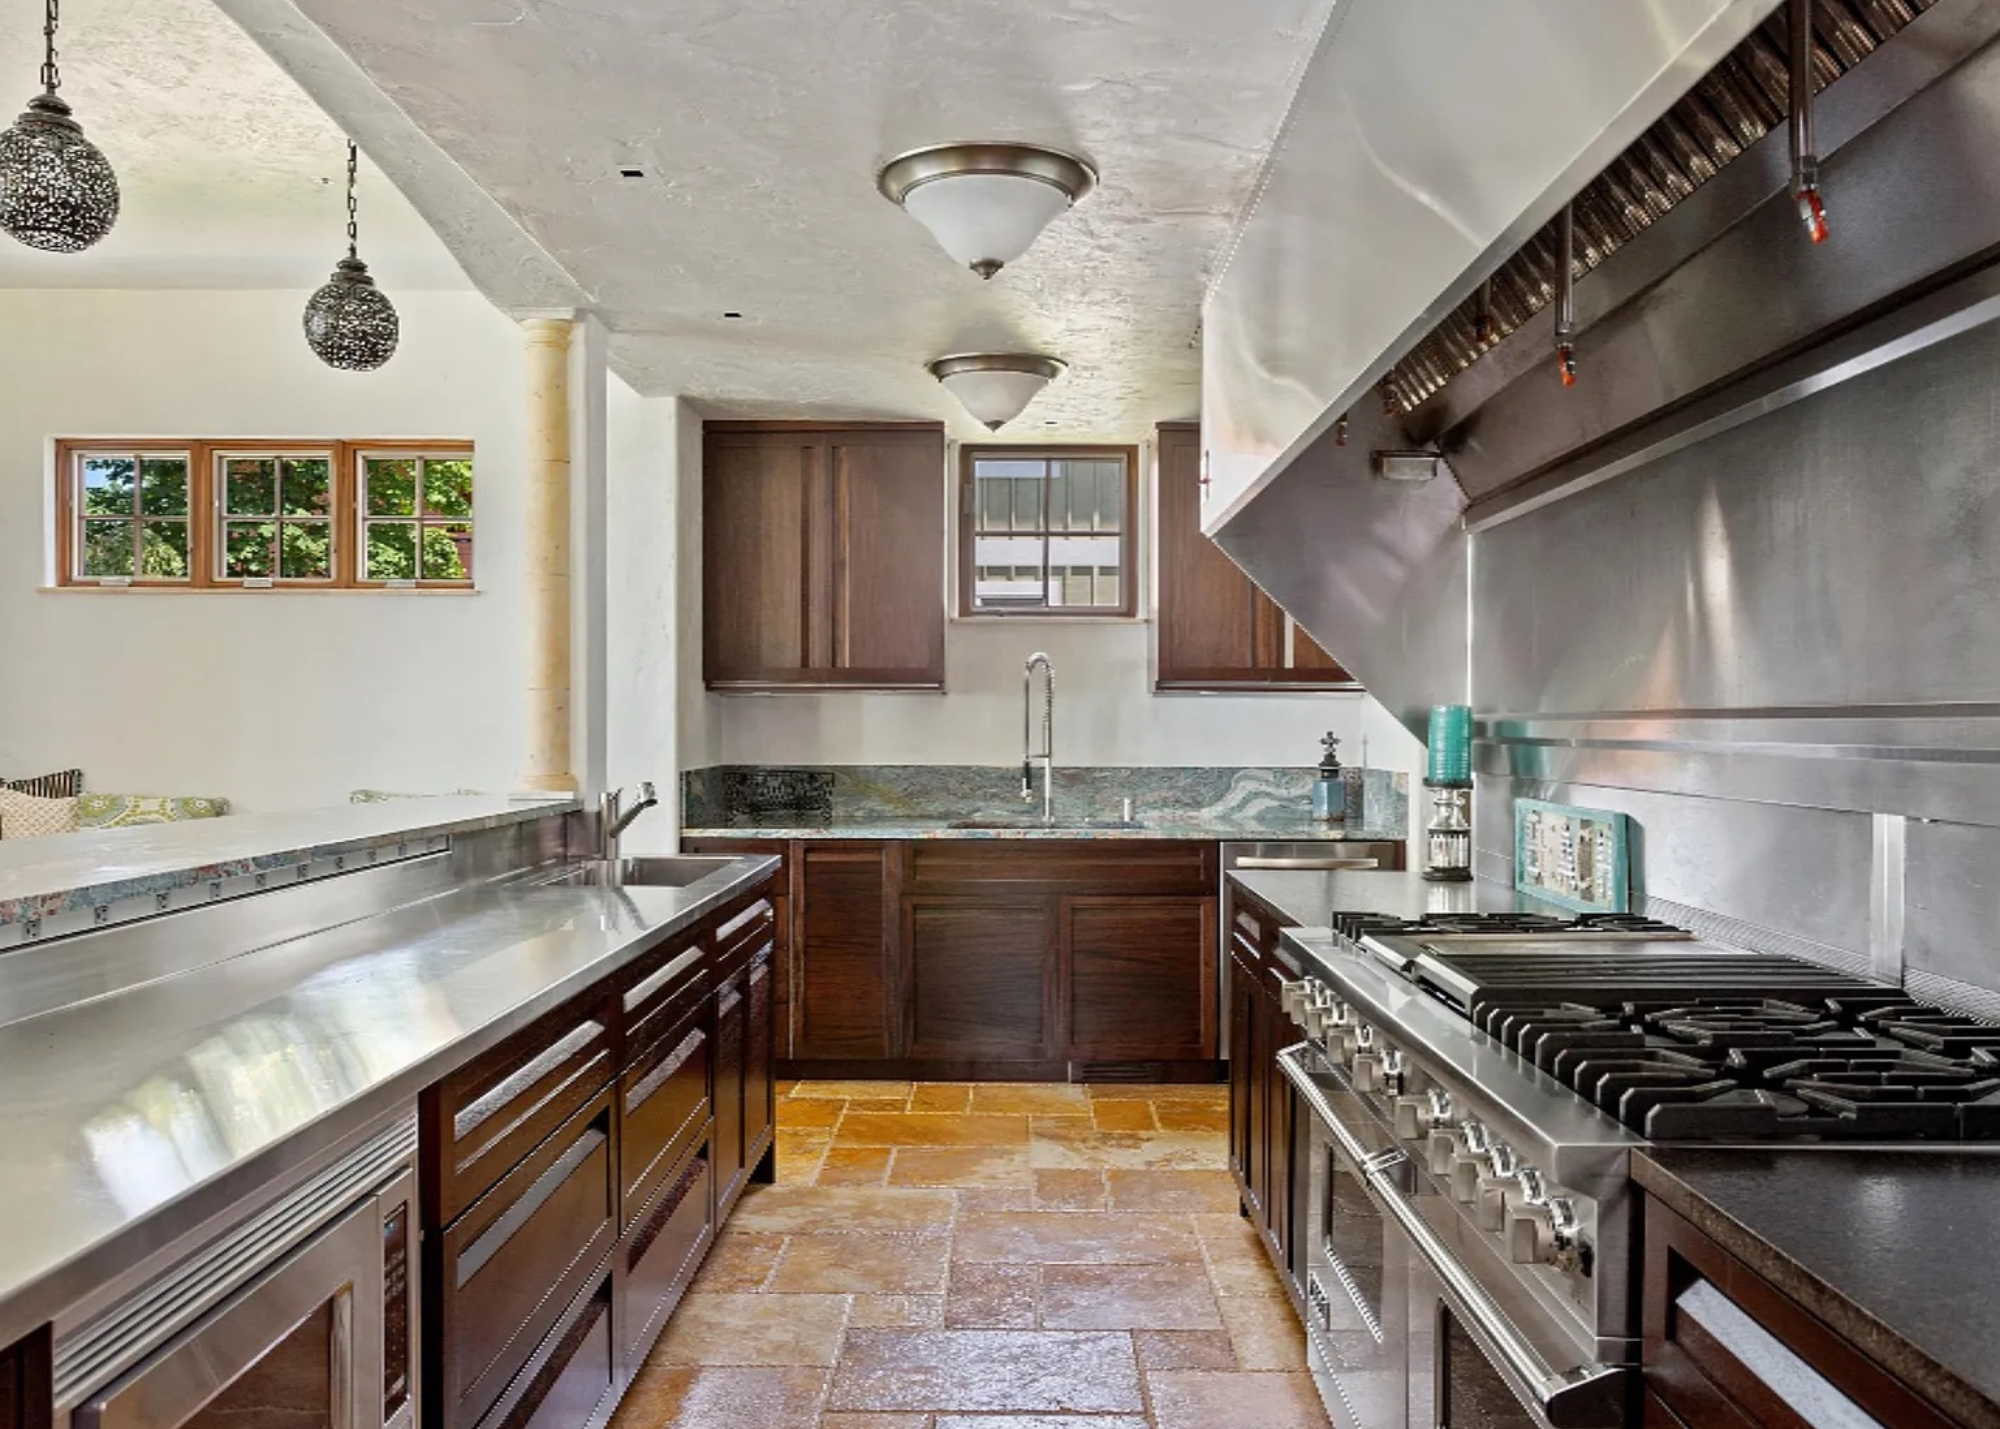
274, 700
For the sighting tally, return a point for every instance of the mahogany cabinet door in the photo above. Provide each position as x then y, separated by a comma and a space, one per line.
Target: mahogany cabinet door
661, 1253
886, 601
1207, 604
760, 1106
757, 491
1141, 976
727, 1138
27, 1379
1242, 989
982, 979
844, 998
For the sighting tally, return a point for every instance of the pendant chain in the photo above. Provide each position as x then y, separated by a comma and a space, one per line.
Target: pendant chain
353, 209
51, 79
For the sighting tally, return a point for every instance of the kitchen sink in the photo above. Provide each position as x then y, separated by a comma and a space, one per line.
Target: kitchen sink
661, 872
1060, 825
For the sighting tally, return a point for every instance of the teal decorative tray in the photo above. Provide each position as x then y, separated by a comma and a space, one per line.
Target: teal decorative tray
1575, 858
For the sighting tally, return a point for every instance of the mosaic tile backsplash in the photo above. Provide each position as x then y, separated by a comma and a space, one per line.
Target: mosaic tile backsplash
744, 796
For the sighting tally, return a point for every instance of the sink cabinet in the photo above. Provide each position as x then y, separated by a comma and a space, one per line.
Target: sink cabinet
575, 1175
1030, 959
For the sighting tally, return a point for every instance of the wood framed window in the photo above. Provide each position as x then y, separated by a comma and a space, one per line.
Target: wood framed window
1048, 531
215, 514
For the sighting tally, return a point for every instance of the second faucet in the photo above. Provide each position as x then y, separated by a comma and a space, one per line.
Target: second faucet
1047, 753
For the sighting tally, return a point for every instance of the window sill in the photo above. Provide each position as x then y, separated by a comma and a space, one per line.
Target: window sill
1051, 620
252, 590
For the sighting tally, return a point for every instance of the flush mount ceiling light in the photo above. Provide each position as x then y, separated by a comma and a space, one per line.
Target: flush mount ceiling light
350, 323
996, 386
986, 203
57, 191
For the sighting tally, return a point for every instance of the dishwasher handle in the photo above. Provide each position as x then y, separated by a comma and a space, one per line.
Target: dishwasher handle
1306, 865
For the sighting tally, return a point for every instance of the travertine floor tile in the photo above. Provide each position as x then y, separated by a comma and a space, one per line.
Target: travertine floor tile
960, 1166
1027, 1371
897, 1312
1192, 1116
1077, 1144
1032, 1098
873, 1128
1265, 1332
994, 1198
863, 1264
1208, 1192
754, 1330
1039, 1421
1248, 1275
1184, 1349
954, 1097
717, 1397
853, 1166
810, 1113
845, 1090
1073, 1238
1123, 1116
739, 1260
894, 1106
877, 1421
1127, 1297
1205, 1400
785, 1209
1069, 1191
992, 1297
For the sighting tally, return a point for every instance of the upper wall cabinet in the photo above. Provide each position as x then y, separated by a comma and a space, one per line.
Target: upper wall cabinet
1217, 630
823, 555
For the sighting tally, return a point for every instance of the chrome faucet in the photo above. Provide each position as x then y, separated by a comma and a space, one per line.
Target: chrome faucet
1048, 750
613, 819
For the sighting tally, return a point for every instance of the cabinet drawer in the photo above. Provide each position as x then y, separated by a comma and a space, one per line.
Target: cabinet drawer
1121, 866
482, 1119
663, 976
742, 932
663, 1096
512, 1263
567, 1379
662, 1252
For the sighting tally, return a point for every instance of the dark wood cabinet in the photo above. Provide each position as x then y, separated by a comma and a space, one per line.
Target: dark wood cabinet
982, 979
982, 958
1697, 1298
823, 555
27, 1382
1216, 629
1264, 1125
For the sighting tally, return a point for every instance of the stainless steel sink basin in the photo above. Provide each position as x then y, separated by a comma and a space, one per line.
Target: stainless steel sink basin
1059, 826
661, 872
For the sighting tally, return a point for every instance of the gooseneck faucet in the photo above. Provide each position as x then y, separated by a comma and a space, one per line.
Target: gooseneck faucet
1047, 753
613, 819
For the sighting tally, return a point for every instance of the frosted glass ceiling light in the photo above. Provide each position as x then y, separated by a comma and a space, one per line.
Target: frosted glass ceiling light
996, 387
986, 203
57, 190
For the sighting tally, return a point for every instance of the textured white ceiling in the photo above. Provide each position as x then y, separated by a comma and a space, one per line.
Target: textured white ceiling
230, 175
760, 124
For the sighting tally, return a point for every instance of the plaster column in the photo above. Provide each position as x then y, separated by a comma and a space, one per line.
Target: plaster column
548, 521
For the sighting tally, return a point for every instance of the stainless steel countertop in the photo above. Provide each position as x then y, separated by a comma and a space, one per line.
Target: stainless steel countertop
46, 876
129, 1120
1309, 898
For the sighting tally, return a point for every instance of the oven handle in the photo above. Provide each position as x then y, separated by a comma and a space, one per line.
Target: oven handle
1309, 865
1591, 1396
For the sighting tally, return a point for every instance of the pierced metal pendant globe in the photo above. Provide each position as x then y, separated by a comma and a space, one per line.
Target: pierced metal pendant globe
986, 203
996, 387
57, 190
350, 323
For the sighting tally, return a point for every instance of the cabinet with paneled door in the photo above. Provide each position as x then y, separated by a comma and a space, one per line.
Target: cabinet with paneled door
1264, 1119
1216, 630
823, 555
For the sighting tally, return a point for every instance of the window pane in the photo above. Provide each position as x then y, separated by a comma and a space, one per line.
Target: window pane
163, 550
308, 487
163, 485
448, 488
392, 551
107, 548
305, 550
247, 549
107, 485
392, 486
250, 487
448, 552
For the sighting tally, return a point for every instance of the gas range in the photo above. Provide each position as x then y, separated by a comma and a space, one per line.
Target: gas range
1485, 1078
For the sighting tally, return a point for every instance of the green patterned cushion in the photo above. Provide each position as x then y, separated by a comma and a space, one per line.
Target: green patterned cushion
117, 811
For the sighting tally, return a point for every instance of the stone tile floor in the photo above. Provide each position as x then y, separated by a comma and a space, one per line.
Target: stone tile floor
995, 1256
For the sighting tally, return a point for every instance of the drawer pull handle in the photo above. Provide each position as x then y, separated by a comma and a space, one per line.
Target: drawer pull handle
474, 1114
755, 911
657, 1078
532, 1200
650, 985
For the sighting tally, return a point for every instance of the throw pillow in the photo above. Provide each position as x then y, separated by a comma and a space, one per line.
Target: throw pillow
119, 811
64, 784
23, 816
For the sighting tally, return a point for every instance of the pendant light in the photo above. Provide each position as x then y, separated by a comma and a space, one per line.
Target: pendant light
986, 203
350, 323
996, 386
57, 191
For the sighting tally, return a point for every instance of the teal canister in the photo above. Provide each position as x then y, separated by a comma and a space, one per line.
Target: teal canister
1450, 745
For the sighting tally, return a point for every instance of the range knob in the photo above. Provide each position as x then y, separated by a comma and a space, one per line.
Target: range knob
1417, 1116
1357, 1038
1469, 1162
1367, 1067
1321, 1012
1545, 1232
1295, 997
1395, 1071
1445, 1144
1502, 1169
